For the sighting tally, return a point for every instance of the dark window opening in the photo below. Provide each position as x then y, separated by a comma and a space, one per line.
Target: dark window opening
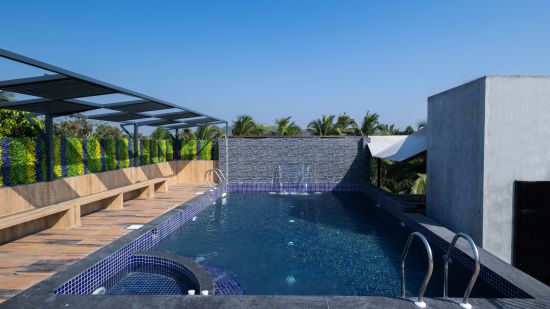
531, 248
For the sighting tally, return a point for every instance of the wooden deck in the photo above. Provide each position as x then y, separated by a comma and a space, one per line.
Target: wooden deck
31, 259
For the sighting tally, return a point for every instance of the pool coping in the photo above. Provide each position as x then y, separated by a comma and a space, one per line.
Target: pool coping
41, 295
509, 273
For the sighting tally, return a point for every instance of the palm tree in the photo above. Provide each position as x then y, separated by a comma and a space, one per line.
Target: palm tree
244, 125
262, 129
322, 126
371, 124
389, 129
187, 135
408, 131
208, 133
159, 134
345, 125
286, 127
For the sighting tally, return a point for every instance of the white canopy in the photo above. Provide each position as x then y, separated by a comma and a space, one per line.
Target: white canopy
398, 147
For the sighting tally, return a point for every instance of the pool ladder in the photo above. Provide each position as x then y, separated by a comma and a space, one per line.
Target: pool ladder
209, 177
420, 301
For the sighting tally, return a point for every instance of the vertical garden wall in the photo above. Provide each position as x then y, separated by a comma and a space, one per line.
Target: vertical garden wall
23, 160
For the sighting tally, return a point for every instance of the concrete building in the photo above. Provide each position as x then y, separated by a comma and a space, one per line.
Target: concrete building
483, 136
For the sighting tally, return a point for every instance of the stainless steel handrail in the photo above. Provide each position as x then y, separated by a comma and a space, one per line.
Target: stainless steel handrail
419, 303
218, 173
473, 279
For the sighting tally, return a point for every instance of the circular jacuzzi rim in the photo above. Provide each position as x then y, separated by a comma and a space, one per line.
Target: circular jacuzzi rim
201, 276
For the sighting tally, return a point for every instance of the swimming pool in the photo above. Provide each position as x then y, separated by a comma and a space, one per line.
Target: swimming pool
331, 243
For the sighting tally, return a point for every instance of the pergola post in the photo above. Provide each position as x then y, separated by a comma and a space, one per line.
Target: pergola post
49, 147
176, 146
136, 146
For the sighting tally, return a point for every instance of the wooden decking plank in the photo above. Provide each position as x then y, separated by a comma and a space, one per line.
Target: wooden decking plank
29, 260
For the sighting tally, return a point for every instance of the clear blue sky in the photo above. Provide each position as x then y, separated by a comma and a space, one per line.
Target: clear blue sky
276, 58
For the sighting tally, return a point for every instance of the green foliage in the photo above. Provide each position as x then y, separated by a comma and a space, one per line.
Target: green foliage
159, 134
401, 177
189, 150
93, 152
245, 126
286, 127
419, 185
14, 124
155, 151
205, 150
144, 155
75, 159
215, 150
345, 125
105, 131
323, 126
169, 150
208, 133
23, 159
73, 128
43, 166
57, 172
162, 151
123, 154
371, 124
389, 129
109, 149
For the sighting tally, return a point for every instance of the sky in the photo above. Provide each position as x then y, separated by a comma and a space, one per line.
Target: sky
272, 59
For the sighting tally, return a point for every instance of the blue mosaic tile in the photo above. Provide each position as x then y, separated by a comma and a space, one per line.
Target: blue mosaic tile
106, 269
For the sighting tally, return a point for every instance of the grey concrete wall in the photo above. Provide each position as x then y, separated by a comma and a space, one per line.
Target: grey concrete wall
517, 147
331, 159
482, 137
455, 158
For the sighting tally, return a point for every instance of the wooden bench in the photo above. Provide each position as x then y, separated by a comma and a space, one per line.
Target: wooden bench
67, 214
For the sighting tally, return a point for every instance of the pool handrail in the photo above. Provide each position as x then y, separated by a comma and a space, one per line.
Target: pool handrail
473, 279
218, 173
420, 302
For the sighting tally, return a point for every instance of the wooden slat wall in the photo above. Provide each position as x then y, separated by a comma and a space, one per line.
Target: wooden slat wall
25, 197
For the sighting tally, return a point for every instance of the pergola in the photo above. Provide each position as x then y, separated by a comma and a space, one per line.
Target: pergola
65, 93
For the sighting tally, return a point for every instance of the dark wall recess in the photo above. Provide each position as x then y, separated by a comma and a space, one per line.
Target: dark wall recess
531, 247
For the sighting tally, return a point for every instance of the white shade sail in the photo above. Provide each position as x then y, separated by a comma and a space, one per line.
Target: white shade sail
398, 147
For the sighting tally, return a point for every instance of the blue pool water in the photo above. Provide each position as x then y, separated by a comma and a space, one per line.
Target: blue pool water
319, 244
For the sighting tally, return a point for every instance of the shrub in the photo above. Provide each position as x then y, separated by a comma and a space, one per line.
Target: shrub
144, 151
22, 154
162, 151
205, 150
93, 151
123, 154
154, 151
189, 150
109, 149
169, 150
43, 161
75, 158
57, 171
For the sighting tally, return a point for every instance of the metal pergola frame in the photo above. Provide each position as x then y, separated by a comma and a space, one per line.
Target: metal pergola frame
63, 93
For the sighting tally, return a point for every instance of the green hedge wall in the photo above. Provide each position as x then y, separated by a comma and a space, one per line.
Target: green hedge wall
93, 153
23, 160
